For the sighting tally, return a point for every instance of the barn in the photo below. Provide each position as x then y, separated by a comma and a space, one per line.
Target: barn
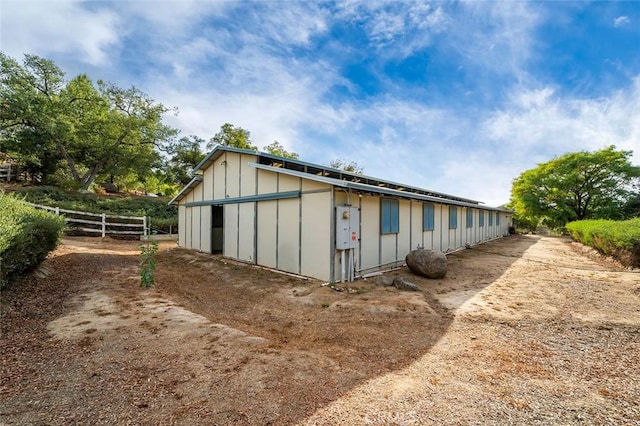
317, 221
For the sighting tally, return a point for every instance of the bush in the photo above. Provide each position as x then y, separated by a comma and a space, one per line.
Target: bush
162, 215
620, 239
27, 235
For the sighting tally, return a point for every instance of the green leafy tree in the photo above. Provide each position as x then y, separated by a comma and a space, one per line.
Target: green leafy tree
575, 186
229, 135
347, 166
276, 148
185, 156
93, 129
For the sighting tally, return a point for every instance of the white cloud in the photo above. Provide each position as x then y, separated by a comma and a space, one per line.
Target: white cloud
45, 28
621, 21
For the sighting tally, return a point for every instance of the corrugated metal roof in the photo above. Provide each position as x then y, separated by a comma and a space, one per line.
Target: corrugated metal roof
370, 189
331, 176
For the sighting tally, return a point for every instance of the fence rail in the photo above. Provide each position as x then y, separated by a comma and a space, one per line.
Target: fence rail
7, 173
138, 225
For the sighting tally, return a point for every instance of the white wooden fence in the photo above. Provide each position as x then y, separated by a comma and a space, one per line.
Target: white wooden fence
102, 223
7, 173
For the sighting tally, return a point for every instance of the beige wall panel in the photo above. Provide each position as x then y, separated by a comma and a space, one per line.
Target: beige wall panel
267, 231
208, 183
441, 232
187, 234
404, 236
233, 174
370, 232
310, 185
248, 179
388, 243
182, 225
219, 173
197, 192
316, 235
288, 183
417, 236
340, 198
205, 229
288, 235
195, 228
267, 182
246, 234
231, 230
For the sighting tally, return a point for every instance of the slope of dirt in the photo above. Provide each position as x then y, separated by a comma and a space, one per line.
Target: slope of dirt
527, 329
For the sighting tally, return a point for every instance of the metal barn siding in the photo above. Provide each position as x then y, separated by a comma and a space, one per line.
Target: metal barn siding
281, 213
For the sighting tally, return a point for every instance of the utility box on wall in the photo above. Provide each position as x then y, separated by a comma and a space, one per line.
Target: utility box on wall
347, 227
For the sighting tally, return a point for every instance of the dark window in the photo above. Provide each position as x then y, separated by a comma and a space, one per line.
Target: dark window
481, 218
498, 218
389, 216
428, 217
453, 217
490, 218
469, 218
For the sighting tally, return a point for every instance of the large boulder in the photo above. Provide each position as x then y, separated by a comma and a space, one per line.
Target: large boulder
428, 263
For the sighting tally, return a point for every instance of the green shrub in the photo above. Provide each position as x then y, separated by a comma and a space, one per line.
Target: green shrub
620, 239
27, 235
162, 215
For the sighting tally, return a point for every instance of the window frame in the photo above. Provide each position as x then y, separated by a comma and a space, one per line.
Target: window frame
389, 216
453, 217
428, 216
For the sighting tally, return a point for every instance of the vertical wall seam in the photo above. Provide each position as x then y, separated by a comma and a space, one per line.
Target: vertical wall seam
278, 223
332, 233
300, 229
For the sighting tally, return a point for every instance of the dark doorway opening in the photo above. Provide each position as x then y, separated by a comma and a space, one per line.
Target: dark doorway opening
217, 229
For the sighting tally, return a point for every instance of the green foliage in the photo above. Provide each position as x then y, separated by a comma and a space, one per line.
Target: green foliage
575, 186
276, 148
229, 135
81, 128
27, 235
347, 166
185, 156
162, 215
148, 264
620, 239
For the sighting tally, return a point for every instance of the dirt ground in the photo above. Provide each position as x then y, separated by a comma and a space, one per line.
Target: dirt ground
526, 329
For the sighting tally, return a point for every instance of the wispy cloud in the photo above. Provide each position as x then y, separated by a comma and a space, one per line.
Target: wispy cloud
621, 21
69, 28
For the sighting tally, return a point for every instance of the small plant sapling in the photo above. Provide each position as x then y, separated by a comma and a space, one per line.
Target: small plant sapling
148, 264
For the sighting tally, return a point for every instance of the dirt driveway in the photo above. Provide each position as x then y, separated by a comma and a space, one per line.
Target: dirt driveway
525, 330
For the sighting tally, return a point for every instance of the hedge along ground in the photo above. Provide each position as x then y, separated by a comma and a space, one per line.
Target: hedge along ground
620, 239
163, 216
27, 235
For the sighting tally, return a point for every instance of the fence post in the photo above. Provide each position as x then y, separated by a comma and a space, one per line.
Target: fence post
144, 225
57, 211
104, 224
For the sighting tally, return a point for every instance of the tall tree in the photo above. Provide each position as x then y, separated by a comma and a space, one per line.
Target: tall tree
95, 129
229, 135
347, 166
276, 148
185, 156
575, 186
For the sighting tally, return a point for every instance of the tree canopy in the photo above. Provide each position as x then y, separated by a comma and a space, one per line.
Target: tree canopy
230, 135
276, 148
347, 166
576, 186
90, 129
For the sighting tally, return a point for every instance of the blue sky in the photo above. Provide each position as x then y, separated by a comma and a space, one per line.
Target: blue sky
455, 97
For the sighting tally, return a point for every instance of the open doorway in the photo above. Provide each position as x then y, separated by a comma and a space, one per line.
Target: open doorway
217, 229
